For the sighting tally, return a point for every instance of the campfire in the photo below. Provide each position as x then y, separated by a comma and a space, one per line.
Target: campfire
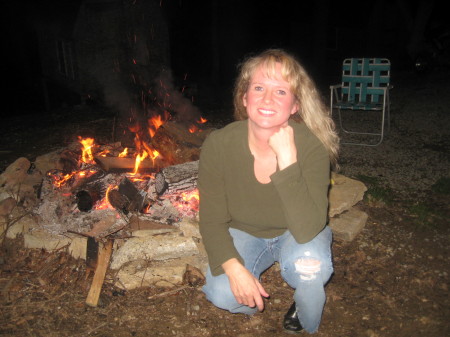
142, 198
99, 189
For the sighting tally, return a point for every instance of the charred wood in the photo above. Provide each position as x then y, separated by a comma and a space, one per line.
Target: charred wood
87, 199
135, 196
118, 201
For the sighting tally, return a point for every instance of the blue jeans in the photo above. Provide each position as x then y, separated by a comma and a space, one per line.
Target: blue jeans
305, 267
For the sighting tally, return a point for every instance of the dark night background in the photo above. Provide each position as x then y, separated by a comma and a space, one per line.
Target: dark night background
207, 39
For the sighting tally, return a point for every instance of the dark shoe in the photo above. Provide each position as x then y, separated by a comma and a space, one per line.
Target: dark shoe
290, 322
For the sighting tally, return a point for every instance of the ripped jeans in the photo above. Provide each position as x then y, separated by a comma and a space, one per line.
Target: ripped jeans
305, 267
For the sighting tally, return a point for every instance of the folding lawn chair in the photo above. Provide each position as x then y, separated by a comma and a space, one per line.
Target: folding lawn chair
365, 87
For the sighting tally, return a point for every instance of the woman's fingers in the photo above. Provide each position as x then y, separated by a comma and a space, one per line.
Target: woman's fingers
245, 287
283, 144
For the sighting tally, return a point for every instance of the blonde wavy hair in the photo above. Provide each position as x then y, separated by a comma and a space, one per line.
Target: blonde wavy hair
313, 112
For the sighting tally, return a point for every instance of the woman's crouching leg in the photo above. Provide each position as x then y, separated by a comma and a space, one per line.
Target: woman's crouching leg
217, 290
307, 268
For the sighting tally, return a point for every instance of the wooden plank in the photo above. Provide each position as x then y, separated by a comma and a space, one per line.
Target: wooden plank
116, 164
104, 256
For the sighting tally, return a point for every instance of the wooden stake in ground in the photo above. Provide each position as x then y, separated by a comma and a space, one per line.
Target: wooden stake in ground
104, 255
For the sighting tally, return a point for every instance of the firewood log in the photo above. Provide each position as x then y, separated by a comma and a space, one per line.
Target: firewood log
177, 178
177, 144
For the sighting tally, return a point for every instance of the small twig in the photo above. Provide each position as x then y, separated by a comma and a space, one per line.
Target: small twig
169, 292
35, 303
10, 223
96, 328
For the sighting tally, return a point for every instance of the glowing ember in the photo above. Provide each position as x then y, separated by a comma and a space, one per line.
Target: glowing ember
188, 196
84, 174
188, 202
60, 181
104, 203
202, 120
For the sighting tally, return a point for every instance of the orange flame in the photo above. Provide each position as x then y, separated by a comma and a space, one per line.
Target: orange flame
123, 153
103, 153
193, 129
139, 159
154, 154
154, 124
202, 120
86, 155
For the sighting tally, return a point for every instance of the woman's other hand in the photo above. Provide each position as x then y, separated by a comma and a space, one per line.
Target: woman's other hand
246, 288
282, 143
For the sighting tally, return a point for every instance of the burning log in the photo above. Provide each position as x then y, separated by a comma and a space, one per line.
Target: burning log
127, 197
90, 191
177, 178
118, 201
177, 144
135, 196
87, 199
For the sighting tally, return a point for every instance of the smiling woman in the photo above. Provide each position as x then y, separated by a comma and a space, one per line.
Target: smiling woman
263, 183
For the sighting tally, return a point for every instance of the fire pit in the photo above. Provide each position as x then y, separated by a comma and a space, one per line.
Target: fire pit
143, 198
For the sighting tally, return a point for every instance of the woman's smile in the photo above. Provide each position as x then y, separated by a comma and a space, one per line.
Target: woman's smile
269, 100
267, 112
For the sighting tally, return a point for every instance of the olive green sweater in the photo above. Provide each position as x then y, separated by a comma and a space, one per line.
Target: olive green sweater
296, 199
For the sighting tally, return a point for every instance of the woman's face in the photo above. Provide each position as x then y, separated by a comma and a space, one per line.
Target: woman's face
269, 101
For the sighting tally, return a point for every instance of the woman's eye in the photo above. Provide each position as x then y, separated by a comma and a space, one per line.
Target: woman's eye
281, 92
258, 88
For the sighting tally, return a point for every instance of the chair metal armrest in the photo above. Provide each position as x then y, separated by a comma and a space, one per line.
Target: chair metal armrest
334, 92
335, 86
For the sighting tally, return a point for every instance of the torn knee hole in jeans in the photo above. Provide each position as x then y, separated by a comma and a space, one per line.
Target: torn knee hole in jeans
307, 267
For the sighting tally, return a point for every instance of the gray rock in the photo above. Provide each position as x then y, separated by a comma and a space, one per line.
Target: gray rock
347, 225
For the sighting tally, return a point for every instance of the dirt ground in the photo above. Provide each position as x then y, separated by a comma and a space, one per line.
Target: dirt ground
391, 280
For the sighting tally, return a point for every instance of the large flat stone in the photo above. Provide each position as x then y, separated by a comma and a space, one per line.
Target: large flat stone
77, 247
49, 161
158, 247
344, 193
41, 239
347, 225
168, 273
20, 223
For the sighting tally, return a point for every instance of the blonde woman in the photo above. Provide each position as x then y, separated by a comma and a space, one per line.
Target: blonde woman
263, 184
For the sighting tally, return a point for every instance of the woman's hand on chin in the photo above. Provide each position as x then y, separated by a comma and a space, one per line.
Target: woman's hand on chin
283, 144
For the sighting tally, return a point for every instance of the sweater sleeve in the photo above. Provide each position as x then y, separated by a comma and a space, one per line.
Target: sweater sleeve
303, 189
214, 215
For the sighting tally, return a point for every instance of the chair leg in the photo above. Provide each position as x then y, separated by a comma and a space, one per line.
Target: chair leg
381, 134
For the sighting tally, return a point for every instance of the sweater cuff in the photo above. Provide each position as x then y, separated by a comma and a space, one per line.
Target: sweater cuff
290, 174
